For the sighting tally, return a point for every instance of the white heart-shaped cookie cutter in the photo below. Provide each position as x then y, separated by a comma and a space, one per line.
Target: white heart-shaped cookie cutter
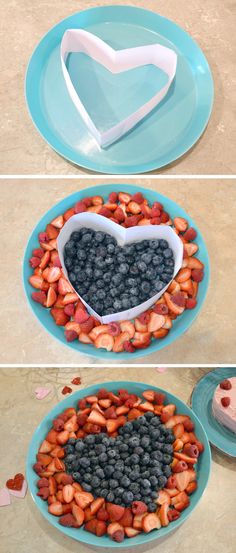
116, 61
123, 236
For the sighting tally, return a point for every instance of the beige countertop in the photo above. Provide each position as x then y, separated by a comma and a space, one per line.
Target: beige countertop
23, 529
211, 338
23, 23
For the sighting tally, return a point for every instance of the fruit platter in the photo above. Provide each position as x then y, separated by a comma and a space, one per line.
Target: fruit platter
111, 278
116, 463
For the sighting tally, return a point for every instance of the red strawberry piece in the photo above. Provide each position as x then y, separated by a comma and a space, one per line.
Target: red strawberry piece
82, 419
144, 318
38, 468
132, 221
101, 528
226, 385
59, 316
119, 215
81, 316
38, 252
155, 212
160, 309
43, 493
113, 197
70, 335
68, 214
91, 525
76, 381
51, 232
128, 346
58, 424
80, 207
103, 394
56, 262
43, 237
191, 450
39, 297
171, 482
68, 520
190, 234
114, 329
82, 404
96, 418
179, 299
87, 326
197, 275
180, 466
164, 217
137, 197
105, 212
115, 511
225, 401
102, 515
42, 483
159, 398
87, 201
155, 221
66, 389
138, 507
34, 262
188, 425
69, 309
191, 303
173, 514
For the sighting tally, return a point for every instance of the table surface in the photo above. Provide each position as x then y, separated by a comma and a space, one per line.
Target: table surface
211, 338
23, 529
212, 25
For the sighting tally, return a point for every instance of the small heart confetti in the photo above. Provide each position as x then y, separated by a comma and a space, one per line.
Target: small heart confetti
41, 392
5, 498
76, 381
66, 390
20, 494
161, 369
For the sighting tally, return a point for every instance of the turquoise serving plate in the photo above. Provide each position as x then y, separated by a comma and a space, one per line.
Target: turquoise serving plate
168, 132
203, 467
180, 325
219, 436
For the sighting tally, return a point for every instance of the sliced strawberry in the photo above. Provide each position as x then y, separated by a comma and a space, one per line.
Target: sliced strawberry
128, 346
131, 532
45, 447
36, 281
68, 493
176, 419
87, 326
113, 197
56, 509
53, 274
190, 234
151, 522
119, 341
83, 499
78, 513
132, 221
191, 303
192, 486
137, 522
182, 480
51, 297
124, 197
185, 458
34, 262
127, 518
38, 252
116, 531
114, 329
52, 232
115, 512
138, 507
105, 341
80, 207
58, 222
134, 207
156, 322
81, 316
113, 424
96, 505
59, 316
68, 214
163, 497
102, 515
39, 297
172, 306
180, 224
68, 520
137, 197
110, 413
69, 309
96, 418
119, 215
173, 514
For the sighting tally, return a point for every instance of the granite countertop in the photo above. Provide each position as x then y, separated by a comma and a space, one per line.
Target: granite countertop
210, 23
23, 529
211, 338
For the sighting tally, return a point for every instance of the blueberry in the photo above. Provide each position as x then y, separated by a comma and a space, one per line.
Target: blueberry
125, 481
154, 481
111, 248
162, 481
119, 491
100, 473
123, 268
86, 487
146, 257
134, 291
95, 482
146, 483
70, 458
167, 471
142, 267
79, 446
117, 305
69, 449
111, 453
102, 458
99, 237
152, 507
110, 497
145, 441
101, 294
167, 448
103, 493
156, 422
128, 497
71, 441
134, 441
108, 469
77, 477
117, 279
134, 270
113, 483
75, 236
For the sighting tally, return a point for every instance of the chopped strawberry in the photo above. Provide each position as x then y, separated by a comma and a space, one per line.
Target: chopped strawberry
119, 215
115, 512
69, 309
83, 499
188, 425
173, 514
137, 197
87, 326
97, 418
102, 515
59, 316
114, 329
179, 299
160, 308
38, 252
34, 262
138, 507
197, 275
110, 413
81, 316
80, 207
190, 303
68, 520
113, 197
116, 532
159, 398
78, 513
128, 346
39, 297
151, 522
105, 341
191, 450
190, 234
132, 221
56, 509
127, 518
180, 467
225, 401
225, 384
43, 237
52, 232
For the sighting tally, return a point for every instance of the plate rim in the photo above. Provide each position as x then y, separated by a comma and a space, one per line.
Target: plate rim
90, 389
98, 167
103, 354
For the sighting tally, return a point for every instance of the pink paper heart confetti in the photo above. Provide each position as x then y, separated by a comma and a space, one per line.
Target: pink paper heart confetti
161, 369
41, 392
22, 493
5, 498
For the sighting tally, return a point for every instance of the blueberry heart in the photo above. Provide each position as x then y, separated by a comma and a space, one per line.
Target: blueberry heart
111, 278
134, 466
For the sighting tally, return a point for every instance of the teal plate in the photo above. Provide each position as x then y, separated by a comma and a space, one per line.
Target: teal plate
219, 436
203, 466
180, 325
163, 136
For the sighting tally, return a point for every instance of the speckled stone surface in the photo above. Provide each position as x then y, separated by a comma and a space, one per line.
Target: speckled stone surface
23, 529
211, 24
211, 338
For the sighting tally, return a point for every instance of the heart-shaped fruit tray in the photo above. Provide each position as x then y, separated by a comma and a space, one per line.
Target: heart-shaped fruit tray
119, 464
54, 292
